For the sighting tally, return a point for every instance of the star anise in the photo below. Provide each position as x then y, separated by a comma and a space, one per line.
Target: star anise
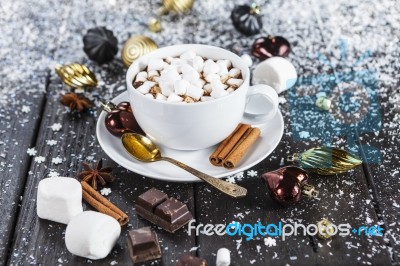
98, 174
75, 102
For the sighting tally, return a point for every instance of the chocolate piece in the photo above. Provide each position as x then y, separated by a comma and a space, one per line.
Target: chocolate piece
143, 245
188, 260
170, 214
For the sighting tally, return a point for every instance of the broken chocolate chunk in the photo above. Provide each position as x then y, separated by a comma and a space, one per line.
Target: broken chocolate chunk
143, 245
168, 213
188, 260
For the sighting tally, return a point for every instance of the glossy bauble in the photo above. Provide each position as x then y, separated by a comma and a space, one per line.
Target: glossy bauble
285, 184
100, 45
120, 119
266, 47
247, 19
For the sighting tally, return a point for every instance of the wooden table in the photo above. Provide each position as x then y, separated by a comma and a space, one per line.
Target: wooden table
36, 35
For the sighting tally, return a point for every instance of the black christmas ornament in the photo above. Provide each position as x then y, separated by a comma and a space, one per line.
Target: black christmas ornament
247, 19
266, 47
120, 119
100, 45
286, 184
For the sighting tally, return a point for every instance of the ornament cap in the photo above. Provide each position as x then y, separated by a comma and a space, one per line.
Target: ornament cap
255, 9
309, 191
108, 107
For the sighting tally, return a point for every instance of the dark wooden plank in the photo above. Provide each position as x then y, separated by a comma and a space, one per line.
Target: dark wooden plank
18, 129
42, 242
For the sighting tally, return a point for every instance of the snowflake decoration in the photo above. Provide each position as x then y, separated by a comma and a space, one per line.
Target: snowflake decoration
231, 179
51, 142
31, 151
25, 109
240, 176
56, 127
40, 159
270, 242
53, 174
57, 160
105, 191
252, 173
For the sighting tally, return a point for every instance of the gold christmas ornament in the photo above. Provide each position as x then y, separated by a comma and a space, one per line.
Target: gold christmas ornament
76, 75
135, 47
155, 25
326, 160
325, 229
176, 6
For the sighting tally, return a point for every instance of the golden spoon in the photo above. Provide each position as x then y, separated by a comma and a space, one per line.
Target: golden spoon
144, 150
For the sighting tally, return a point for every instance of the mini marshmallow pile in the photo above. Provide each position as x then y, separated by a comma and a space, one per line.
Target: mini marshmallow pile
188, 78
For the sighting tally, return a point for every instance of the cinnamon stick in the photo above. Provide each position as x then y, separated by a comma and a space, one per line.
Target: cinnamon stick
103, 205
241, 148
218, 156
234, 147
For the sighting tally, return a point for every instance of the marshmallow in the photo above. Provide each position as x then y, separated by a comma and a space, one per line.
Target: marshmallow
170, 76
188, 99
210, 67
166, 88
141, 76
169, 59
210, 77
174, 98
207, 88
198, 63
194, 92
234, 72
155, 64
247, 59
218, 93
161, 97
190, 75
188, 55
216, 84
225, 78
223, 69
223, 257
199, 83
224, 62
145, 87
152, 74
149, 95
230, 89
59, 199
92, 235
235, 82
180, 86
206, 98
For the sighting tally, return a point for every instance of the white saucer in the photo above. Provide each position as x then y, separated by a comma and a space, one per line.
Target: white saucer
271, 134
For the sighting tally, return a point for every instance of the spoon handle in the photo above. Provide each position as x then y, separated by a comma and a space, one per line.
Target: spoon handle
230, 189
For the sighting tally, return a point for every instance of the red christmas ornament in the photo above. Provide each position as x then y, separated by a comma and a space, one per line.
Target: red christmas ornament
120, 119
266, 47
286, 184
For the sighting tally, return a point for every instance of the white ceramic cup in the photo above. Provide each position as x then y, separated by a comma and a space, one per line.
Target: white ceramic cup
195, 126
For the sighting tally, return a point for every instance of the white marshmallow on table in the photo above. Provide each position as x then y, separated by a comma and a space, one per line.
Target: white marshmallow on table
210, 67
166, 88
141, 76
198, 63
180, 86
188, 55
174, 98
161, 97
247, 59
234, 73
92, 235
145, 87
155, 64
59, 199
194, 92
223, 257
234, 82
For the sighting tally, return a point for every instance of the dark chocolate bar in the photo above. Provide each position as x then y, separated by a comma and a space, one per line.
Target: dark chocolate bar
168, 213
188, 260
143, 245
